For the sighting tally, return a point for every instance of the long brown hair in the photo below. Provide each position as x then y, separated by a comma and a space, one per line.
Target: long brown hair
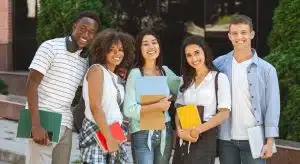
140, 61
187, 71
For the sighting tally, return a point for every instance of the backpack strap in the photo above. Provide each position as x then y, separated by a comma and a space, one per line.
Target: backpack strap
162, 70
216, 87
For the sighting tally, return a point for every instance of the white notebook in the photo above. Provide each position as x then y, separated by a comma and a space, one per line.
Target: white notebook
257, 140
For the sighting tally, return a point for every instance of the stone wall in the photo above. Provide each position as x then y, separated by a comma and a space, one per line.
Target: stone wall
6, 35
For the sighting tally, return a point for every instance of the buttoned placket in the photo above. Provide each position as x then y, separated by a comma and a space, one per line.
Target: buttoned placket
252, 91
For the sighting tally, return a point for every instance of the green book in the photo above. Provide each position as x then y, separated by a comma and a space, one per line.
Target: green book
173, 83
50, 121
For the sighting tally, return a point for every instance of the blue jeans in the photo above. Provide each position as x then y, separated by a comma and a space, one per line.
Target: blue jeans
236, 152
141, 152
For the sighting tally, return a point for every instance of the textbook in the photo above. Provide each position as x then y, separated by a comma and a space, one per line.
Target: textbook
257, 140
117, 133
188, 116
174, 84
50, 121
149, 90
152, 120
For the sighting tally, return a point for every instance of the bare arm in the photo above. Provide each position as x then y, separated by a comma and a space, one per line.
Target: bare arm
216, 120
95, 82
34, 79
162, 105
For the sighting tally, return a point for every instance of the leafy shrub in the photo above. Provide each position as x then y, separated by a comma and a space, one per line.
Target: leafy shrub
284, 42
56, 16
3, 87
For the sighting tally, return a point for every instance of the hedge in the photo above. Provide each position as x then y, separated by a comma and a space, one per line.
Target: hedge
56, 17
284, 42
3, 88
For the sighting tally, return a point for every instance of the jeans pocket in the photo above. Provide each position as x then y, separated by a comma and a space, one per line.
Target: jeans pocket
140, 139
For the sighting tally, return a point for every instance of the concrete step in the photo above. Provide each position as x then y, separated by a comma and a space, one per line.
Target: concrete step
10, 106
16, 82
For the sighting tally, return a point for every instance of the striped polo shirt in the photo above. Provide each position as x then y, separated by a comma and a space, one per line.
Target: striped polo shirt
63, 72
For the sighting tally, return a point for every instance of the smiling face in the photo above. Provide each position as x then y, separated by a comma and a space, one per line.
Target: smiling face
150, 47
195, 56
115, 55
84, 31
240, 35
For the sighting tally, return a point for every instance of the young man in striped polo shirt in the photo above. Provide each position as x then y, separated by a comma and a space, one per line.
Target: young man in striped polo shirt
56, 71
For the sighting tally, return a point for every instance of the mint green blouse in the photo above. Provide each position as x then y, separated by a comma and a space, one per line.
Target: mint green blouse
132, 106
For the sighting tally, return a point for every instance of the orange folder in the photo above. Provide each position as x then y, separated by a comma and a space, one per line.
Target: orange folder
188, 116
152, 120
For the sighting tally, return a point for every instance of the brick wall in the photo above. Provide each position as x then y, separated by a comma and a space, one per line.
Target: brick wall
5, 35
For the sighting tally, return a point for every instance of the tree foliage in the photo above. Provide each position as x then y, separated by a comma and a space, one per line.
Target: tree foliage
284, 42
56, 17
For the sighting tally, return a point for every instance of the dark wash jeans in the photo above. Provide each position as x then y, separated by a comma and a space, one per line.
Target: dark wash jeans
141, 152
236, 152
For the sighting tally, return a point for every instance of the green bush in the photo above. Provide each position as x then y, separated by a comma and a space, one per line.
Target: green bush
284, 42
3, 87
56, 16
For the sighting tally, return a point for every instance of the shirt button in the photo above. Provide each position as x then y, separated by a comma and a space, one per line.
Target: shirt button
252, 96
254, 108
250, 84
248, 71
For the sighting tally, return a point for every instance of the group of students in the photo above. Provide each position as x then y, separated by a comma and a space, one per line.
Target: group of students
236, 91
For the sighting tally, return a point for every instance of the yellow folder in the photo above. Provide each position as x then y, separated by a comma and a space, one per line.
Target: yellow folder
188, 116
152, 120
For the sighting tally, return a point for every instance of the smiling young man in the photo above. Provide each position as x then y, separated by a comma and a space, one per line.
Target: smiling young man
56, 71
255, 97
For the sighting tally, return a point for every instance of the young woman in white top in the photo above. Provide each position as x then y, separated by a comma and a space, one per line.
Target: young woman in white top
198, 145
103, 95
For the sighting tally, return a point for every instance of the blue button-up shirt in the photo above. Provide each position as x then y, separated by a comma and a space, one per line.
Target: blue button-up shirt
264, 91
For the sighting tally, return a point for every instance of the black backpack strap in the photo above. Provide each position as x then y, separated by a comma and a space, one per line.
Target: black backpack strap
142, 73
216, 87
163, 72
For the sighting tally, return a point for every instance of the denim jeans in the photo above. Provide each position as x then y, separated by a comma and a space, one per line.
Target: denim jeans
141, 152
236, 152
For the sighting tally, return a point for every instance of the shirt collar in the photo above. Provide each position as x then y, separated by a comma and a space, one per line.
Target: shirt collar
254, 57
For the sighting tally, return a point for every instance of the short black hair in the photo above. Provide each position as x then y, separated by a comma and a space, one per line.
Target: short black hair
89, 14
241, 19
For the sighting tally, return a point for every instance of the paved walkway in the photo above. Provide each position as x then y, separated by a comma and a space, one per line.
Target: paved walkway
13, 146
14, 149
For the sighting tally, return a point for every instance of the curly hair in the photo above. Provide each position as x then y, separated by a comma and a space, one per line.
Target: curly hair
105, 40
187, 71
140, 61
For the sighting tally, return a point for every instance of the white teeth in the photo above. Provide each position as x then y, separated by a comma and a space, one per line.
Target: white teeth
151, 52
117, 58
196, 62
84, 40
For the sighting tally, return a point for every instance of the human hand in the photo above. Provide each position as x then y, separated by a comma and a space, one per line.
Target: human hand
163, 104
40, 135
112, 144
186, 135
267, 151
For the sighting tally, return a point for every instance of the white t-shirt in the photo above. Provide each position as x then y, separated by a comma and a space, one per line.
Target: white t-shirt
63, 72
109, 98
242, 117
204, 94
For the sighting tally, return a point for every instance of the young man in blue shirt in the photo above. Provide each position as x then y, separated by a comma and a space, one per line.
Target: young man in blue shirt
255, 97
